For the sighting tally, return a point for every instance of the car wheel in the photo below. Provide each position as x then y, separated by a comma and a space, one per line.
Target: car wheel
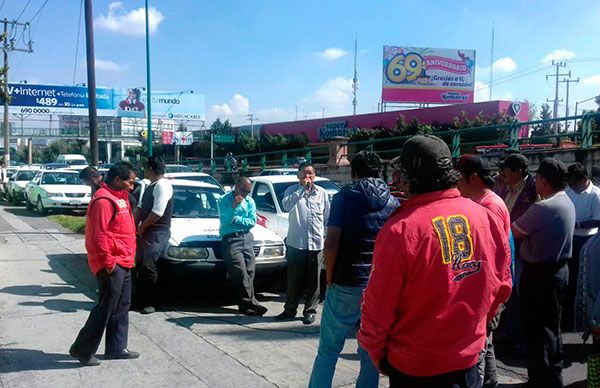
28, 205
14, 198
40, 207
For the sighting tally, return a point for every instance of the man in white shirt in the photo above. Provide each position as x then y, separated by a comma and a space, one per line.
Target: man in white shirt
3, 179
153, 217
586, 199
308, 205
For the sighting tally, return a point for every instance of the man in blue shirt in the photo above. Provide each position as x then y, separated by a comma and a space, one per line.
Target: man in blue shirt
237, 212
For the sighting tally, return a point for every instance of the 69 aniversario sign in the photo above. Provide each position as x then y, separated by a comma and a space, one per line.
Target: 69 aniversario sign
430, 75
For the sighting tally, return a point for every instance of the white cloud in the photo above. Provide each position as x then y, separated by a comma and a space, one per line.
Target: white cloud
331, 54
131, 23
591, 81
558, 55
482, 93
104, 65
506, 64
235, 110
335, 95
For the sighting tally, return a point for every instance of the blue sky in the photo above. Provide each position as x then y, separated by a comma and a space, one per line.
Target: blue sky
269, 57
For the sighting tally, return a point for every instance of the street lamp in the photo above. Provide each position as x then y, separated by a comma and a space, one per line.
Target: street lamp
577, 105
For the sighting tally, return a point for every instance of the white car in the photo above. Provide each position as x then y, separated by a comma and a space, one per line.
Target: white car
268, 191
56, 189
194, 176
279, 171
193, 255
15, 188
75, 161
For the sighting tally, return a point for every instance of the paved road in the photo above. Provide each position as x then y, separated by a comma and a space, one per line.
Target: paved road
197, 340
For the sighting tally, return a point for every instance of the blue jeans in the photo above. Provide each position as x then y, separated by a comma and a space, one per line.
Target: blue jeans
341, 317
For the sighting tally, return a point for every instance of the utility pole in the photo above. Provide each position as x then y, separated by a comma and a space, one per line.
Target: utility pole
492, 63
252, 119
91, 81
355, 79
9, 45
568, 81
556, 99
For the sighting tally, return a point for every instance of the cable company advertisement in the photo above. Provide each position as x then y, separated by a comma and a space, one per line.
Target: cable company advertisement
130, 102
428, 75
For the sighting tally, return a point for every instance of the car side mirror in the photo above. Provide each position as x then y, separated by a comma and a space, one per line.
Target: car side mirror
227, 188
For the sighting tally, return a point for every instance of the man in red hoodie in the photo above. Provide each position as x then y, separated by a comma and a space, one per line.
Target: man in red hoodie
110, 244
441, 268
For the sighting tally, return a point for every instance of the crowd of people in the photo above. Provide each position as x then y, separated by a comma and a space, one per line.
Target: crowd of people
425, 281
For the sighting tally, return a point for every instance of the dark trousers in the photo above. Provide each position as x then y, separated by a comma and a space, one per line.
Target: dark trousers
466, 378
149, 248
542, 293
302, 279
568, 310
238, 254
111, 313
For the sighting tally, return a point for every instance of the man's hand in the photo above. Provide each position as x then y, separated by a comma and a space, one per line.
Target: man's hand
140, 230
236, 201
306, 182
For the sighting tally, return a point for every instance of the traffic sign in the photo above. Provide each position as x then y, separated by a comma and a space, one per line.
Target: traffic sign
226, 139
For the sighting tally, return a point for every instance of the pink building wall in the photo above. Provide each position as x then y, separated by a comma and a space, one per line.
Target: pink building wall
442, 115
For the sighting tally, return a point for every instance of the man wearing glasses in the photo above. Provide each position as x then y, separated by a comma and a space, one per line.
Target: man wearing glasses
237, 212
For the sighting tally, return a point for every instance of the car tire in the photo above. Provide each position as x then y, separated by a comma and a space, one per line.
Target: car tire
28, 205
40, 207
14, 199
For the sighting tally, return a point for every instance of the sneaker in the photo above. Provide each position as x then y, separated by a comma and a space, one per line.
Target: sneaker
84, 360
286, 315
148, 310
124, 354
308, 319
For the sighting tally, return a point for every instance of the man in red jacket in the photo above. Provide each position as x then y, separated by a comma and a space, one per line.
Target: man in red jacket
110, 244
441, 268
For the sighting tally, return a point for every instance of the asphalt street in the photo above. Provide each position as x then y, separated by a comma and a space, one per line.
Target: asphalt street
197, 339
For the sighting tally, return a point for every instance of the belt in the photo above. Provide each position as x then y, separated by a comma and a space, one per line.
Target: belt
235, 234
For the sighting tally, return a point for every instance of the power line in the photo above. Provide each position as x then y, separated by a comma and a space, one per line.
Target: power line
38, 14
77, 44
23, 11
2, 5
38, 11
512, 77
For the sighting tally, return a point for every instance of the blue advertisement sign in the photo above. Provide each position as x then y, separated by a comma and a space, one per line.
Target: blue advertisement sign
132, 102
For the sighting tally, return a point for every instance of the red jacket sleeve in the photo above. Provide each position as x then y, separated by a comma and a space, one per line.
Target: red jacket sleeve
99, 216
381, 296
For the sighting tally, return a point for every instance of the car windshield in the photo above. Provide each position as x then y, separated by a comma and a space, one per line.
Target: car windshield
76, 162
279, 172
196, 202
25, 175
60, 178
199, 178
171, 168
280, 189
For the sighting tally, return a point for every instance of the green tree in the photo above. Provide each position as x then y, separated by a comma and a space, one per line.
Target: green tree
543, 129
50, 152
220, 127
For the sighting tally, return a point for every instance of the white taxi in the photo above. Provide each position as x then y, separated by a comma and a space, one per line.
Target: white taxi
56, 189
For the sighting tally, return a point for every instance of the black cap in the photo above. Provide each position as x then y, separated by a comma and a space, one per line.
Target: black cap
552, 169
469, 164
424, 154
514, 162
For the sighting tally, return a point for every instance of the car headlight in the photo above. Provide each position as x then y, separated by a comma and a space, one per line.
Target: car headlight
184, 253
277, 250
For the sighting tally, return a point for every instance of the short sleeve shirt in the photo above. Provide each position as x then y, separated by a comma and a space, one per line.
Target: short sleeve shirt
587, 207
548, 227
336, 214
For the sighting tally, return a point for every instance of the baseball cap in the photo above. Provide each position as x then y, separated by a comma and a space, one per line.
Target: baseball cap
514, 162
425, 154
551, 168
469, 164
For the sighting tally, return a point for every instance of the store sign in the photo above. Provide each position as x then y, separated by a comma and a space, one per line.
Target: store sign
334, 129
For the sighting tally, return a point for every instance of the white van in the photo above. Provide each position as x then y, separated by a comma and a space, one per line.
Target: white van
75, 161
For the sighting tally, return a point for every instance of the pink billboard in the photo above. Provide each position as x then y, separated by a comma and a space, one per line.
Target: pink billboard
428, 75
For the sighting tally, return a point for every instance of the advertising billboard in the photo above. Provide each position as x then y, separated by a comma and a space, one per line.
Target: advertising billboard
131, 102
428, 75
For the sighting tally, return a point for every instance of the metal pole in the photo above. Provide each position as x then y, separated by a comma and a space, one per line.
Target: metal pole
567, 108
555, 109
30, 151
149, 101
575, 120
6, 130
91, 81
212, 147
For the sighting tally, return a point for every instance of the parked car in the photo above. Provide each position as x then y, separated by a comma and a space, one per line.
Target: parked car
170, 168
194, 176
104, 167
56, 189
15, 188
54, 166
11, 170
279, 171
193, 255
75, 161
268, 191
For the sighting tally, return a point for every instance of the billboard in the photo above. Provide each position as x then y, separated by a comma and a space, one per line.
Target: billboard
131, 102
428, 75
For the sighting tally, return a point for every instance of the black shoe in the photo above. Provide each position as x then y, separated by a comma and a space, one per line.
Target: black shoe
148, 310
259, 309
124, 354
85, 360
286, 315
308, 319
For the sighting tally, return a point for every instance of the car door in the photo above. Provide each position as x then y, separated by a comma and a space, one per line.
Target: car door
267, 207
30, 189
